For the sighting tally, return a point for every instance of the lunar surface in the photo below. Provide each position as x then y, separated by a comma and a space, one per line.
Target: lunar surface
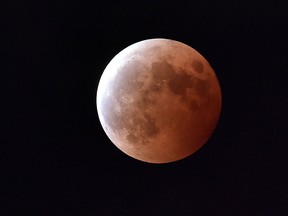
158, 100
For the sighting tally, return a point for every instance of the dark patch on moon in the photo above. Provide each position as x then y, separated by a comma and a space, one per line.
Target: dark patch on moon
149, 126
198, 66
162, 71
141, 129
156, 87
193, 105
145, 100
132, 138
179, 83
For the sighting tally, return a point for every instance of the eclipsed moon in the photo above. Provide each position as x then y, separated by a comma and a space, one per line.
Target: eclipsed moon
159, 100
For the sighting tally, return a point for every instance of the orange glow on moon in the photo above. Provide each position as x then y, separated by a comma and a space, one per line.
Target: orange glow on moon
159, 100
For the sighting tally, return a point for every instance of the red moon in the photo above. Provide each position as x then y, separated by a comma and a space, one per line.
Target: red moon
159, 100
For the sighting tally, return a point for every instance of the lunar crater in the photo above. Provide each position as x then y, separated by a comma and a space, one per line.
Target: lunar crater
198, 66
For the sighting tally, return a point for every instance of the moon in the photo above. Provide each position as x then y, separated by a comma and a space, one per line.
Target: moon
159, 100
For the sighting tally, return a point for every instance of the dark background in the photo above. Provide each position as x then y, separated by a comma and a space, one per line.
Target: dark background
55, 158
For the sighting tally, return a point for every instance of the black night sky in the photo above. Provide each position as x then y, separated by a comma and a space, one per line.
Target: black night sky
55, 158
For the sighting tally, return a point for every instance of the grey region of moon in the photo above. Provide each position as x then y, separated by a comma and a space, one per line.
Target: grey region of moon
158, 100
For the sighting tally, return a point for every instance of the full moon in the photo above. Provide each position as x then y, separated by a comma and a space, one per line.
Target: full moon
159, 100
